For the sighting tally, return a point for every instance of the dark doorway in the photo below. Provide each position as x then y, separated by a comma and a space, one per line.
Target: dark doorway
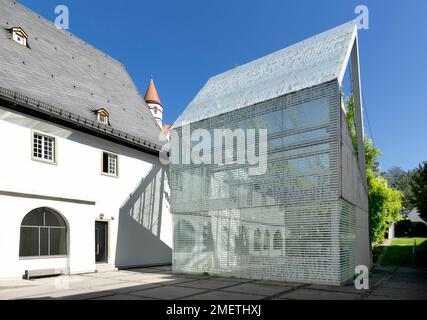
101, 241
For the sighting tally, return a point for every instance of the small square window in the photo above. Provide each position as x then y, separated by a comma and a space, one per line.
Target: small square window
43, 148
110, 164
103, 116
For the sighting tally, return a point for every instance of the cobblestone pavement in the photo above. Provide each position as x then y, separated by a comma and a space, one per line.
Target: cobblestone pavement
160, 283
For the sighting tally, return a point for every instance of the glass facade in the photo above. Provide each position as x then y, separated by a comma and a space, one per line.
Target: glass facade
286, 224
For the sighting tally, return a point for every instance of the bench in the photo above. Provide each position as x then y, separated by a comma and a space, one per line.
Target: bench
43, 273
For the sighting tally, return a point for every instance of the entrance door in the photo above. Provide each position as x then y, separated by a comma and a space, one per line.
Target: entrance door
101, 241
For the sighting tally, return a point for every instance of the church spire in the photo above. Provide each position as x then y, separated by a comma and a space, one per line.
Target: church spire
153, 102
151, 94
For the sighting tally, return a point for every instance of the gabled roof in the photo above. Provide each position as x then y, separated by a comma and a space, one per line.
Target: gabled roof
67, 73
151, 95
314, 61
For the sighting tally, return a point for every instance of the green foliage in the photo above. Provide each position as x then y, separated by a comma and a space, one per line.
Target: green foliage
401, 180
385, 203
419, 189
371, 152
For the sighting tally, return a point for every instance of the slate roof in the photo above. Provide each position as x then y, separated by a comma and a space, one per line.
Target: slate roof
311, 62
65, 72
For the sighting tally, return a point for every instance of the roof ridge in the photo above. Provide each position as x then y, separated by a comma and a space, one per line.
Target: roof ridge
279, 51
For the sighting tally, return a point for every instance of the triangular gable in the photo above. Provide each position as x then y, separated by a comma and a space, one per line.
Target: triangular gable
311, 62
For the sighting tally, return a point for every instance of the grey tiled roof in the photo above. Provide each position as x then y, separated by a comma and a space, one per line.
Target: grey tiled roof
62, 70
311, 62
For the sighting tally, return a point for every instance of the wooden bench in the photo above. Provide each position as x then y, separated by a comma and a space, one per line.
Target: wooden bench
42, 273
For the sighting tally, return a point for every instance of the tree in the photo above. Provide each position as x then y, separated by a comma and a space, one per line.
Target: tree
401, 180
419, 189
385, 202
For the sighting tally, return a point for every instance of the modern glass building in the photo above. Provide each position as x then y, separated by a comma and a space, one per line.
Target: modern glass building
305, 217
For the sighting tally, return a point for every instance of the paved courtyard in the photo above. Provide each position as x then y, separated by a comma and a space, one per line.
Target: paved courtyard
160, 283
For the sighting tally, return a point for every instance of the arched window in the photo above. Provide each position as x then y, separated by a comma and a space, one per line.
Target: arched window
225, 238
277, 240
267, 240
207, 241
43, 233
257, 240
183, 236
241, 240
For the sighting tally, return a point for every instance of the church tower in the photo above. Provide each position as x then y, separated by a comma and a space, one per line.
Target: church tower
153, 101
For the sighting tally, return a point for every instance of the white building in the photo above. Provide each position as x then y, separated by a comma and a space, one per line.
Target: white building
81, 186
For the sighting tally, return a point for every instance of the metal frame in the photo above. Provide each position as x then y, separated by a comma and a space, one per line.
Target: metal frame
48, 228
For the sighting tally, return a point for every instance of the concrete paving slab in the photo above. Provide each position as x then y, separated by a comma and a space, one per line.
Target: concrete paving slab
123, 297
402, 284
208, 284
374, 297
308, 294
18, 283
345, 289
149, 270
169, 292
74, 295
260, 289
231, 279
280, 283
405, 285
127, 287
224, 295
169, 280
139, 277
107, 275
164, 268
23, 293
401, 293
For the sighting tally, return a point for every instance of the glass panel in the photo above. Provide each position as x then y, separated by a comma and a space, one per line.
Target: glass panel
29, 242
207, 237
275, 144
44, 241
257, 240
267, 240
277, 240
306, 137
53, 219
34, 218
105, 162
112, 164
184, 236
58, 241
306, 115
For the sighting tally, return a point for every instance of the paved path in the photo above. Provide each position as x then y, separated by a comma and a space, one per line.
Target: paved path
160, 283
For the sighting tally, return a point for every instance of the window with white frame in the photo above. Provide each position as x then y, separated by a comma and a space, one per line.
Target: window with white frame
44, 147
110, 164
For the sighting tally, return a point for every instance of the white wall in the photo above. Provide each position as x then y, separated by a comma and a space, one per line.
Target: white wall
353, 190
77, 175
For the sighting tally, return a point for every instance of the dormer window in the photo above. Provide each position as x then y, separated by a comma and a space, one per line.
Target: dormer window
103, 116
19, 36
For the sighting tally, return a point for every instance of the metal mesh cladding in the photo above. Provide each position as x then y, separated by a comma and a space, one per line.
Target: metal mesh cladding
287, 224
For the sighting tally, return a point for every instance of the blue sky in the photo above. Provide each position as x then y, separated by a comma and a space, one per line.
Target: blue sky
183, 43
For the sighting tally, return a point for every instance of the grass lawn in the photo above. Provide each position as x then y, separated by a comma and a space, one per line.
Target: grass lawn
400, 252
